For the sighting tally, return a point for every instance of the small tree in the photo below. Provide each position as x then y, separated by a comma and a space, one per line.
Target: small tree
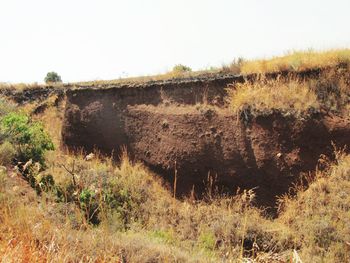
52, 77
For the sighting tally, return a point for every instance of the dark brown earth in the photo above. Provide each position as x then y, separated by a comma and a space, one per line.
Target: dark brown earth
186, 126
267, 154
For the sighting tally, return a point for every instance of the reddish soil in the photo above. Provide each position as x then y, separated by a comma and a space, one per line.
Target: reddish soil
186, 123
267, 153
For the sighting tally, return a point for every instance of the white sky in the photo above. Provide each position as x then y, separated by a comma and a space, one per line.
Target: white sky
107, 39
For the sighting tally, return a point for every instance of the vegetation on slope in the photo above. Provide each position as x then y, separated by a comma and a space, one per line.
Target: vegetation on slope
264, 97
291, 96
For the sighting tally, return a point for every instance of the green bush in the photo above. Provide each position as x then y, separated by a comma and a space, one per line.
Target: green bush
52, 77
28, 137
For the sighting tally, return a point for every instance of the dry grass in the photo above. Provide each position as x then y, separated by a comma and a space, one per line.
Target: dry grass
266, 96
320, 215
297, 61
32, 233
166, 230
333, 90
290, 95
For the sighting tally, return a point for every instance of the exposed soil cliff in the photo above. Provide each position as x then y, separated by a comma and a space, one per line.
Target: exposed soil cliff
184, 126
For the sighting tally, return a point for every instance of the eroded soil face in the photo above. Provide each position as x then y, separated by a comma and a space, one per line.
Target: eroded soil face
200, 138
266, 153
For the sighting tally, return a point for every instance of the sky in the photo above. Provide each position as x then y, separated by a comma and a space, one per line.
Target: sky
86, 40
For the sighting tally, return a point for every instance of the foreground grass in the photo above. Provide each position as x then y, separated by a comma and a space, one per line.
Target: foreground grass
147, 225
51, 232
162, 229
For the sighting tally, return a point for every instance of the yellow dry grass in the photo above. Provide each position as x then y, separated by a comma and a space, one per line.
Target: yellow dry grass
320, 214
266, 96
297, 61
315, 221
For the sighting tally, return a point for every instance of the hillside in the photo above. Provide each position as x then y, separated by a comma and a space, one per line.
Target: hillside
247, 163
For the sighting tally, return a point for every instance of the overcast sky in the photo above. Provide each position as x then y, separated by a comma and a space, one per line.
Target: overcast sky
108, 39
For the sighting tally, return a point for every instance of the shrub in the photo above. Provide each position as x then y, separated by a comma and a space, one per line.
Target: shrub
181, 68
52, 77
28, 137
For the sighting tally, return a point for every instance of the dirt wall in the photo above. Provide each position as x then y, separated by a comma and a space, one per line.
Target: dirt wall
267, 154
184, 126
